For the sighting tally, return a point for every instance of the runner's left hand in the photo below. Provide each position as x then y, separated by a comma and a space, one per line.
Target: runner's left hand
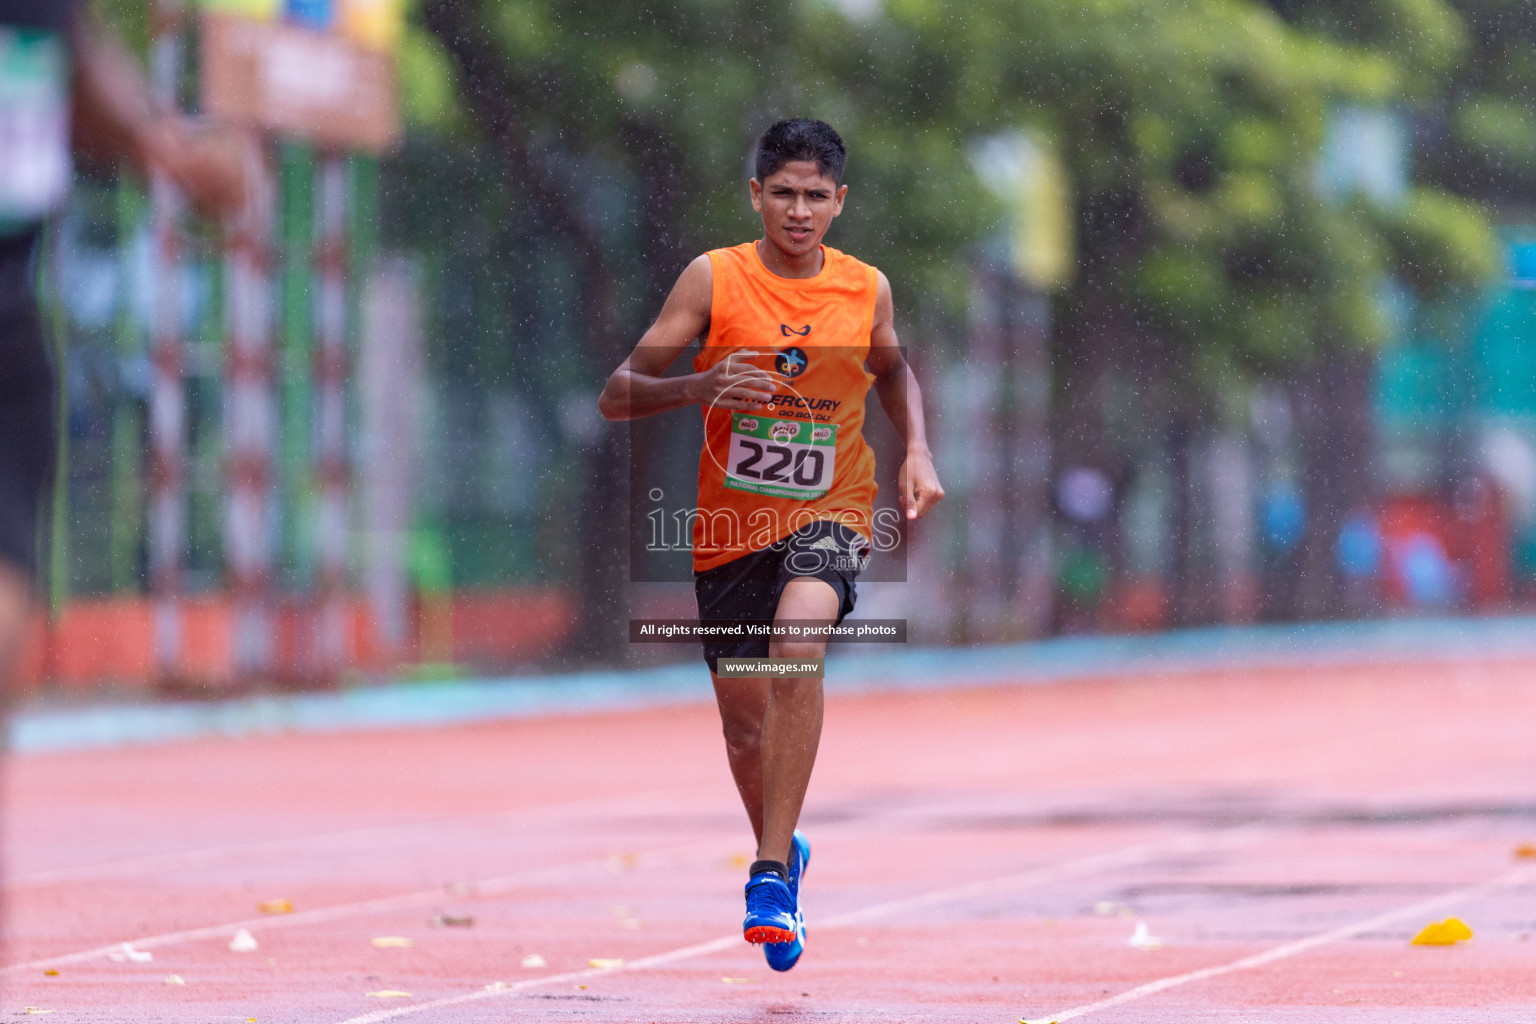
919, 484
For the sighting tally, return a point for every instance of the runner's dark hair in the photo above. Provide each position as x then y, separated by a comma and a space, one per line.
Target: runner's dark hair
801, 138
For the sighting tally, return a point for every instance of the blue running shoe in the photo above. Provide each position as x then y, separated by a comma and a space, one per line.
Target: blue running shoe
770, 910
781, 956
799, 860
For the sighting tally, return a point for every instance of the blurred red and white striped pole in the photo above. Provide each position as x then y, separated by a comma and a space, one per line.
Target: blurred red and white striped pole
332, 650
167, 400
249, 414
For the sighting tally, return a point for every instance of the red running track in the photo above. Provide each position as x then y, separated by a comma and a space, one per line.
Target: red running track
980, 855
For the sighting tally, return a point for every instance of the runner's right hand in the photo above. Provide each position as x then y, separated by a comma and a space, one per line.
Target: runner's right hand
735, 384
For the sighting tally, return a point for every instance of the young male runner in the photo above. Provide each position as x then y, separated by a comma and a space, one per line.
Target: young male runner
786, 480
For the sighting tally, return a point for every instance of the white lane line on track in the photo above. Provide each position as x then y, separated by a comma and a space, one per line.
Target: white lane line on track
717, 846
1064, 871
357, 838
1508, 880
340, 911
351, 839
362, 838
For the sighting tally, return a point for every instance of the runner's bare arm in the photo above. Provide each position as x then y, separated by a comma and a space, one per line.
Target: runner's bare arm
116, 116
637, 388
902, 400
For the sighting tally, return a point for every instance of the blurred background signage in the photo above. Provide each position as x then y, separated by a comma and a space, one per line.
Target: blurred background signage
1021, 168
326, 74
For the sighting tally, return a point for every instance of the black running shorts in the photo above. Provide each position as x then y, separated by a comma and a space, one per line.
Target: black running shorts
747, 589
26, 405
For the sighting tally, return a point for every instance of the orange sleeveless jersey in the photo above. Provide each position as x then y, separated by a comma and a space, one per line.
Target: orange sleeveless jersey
763, 475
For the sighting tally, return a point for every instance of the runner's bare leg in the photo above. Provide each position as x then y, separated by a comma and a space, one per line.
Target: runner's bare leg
792, 722
743, 704
773, 726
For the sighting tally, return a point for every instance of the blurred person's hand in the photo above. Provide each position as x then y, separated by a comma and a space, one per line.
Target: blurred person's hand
215, 166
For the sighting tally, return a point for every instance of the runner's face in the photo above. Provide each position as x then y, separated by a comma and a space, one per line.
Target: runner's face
798, 203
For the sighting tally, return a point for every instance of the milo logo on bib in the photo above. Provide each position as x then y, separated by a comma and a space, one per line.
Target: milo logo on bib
780, 458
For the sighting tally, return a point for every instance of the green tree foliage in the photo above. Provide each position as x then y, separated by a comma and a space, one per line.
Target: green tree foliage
1194, 133
1482, 143
1191, 131
668, 97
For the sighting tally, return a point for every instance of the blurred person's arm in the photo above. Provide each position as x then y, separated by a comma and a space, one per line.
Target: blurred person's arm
116, 116
902, 401
637, 388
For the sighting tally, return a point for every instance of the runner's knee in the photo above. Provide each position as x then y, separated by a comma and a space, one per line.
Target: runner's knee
742, 736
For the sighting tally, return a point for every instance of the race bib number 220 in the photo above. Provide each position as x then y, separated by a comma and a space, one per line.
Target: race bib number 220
780, 458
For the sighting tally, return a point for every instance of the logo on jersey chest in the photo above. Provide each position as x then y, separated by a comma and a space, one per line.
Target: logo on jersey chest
791, 362
789, 331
